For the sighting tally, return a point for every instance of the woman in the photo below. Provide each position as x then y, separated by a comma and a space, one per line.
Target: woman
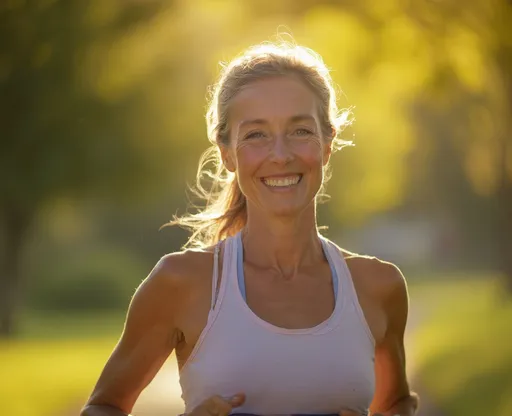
266, 315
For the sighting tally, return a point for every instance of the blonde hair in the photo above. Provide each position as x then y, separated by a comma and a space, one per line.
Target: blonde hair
225, 207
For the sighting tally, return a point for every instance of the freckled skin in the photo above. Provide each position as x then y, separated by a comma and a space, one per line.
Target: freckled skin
275, 130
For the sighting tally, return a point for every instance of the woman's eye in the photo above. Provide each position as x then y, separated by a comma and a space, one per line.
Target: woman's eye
255, 135
303, 132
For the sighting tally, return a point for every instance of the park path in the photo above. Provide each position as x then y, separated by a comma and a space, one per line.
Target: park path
417, 315
163, 396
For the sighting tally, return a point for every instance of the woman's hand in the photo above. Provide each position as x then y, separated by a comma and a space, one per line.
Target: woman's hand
218, 406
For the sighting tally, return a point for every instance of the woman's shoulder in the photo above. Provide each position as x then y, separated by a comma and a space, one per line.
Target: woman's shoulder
174, 280
381, 289
371, 273
186, 267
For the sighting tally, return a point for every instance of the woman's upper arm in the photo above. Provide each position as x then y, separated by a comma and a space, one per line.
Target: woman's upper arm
148, 338
390, 370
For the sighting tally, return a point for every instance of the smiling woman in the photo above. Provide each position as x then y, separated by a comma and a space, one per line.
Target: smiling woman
266, 315
278, 157
257, 81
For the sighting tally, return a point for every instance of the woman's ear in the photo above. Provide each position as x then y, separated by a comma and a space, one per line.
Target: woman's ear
328, 145
227, 158
327, 152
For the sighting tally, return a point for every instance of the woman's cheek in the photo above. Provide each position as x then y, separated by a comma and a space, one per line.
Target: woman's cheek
251, 154
310, 151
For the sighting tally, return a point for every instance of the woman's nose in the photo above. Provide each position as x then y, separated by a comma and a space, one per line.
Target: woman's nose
281, 152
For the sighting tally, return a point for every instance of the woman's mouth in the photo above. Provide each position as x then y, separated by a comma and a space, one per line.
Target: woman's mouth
282, 181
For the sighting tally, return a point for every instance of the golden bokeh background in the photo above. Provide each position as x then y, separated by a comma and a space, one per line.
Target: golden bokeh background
102, 125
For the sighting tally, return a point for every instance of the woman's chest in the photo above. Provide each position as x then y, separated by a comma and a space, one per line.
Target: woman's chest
302, 302
282, 374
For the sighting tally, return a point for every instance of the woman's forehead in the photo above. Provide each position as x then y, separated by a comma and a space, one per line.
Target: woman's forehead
273, 98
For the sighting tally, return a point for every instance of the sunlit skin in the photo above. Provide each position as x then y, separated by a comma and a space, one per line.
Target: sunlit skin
274, 132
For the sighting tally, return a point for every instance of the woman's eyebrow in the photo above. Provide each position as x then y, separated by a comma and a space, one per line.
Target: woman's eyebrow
302, 117
248, 122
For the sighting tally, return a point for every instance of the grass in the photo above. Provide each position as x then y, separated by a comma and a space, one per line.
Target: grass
59, 325
463, 350
55, 363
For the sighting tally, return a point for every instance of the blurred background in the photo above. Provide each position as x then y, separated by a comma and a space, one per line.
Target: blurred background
102, 108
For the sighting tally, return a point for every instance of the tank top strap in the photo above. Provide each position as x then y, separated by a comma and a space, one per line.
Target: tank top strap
227, 267
239, 253
332, 266
215, 277
346, 285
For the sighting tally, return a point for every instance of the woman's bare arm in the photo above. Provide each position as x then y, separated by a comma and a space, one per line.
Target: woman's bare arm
392, 395
148, 338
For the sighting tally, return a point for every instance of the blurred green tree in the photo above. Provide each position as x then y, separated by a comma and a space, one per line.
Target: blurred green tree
463, 111
68, 117
96, 96
433, 83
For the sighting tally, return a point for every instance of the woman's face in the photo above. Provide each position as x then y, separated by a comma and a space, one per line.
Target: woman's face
276, 145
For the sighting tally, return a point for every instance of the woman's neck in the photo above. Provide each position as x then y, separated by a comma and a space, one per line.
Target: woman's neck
282, 243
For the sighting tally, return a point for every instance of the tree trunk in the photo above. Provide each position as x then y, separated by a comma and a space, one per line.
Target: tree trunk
14, 224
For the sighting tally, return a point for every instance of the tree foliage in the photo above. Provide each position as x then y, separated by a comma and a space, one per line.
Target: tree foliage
106, 99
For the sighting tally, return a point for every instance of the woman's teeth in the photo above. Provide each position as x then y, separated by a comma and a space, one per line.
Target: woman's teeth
286, 181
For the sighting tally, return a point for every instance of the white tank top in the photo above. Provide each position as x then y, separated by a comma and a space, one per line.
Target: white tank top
319, 370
